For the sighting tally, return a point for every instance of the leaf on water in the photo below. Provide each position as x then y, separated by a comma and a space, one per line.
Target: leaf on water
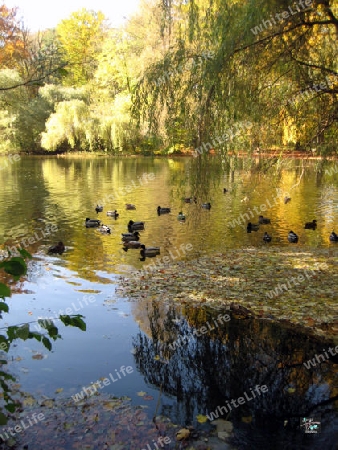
247, 419
201, 419
141, 393
183, 433
37, 356
58, 390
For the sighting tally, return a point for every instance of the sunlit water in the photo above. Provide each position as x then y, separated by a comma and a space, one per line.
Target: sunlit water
41, 194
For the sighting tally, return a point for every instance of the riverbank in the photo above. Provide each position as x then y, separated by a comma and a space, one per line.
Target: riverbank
291, 285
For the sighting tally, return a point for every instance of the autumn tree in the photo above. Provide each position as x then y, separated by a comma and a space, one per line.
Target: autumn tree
11, 44
81, 37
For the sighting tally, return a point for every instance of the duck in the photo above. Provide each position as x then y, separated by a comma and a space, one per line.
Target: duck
267, 237
92, 223
292, 237
263, 220
135, 236
131, 244
181, 216
129, 206
57, 248
311, 225
114, 214
149, 252
252, 227
206, 205
190, 200
104, 229
333, 237
287, 199
99, 208
133, 226
162, 210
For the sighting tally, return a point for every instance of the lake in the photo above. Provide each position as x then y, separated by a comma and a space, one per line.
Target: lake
44, 200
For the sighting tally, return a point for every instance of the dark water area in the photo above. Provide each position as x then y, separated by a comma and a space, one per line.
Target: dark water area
44, 200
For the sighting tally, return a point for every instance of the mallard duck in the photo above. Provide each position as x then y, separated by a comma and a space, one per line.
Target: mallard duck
252, 227
149, 252
104, 229
292, 237
206, 205
263, 220
311, 225
129, 206
333, 237
114, 214
287, 199
132, 226
131, 244
181, 216
135, 236
162, 210
92, 223
58, 248
267, 237
99, 208
190, 200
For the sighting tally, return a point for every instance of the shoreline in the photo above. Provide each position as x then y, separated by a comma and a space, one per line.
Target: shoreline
242, 279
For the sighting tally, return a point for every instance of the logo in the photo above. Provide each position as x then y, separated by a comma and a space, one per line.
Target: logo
311, 425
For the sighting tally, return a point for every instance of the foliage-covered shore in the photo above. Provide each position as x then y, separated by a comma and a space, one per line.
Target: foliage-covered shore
293, 286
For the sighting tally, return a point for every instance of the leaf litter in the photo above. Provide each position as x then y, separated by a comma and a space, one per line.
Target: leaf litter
294, 286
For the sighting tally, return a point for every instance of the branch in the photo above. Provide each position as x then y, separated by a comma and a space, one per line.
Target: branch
33, 81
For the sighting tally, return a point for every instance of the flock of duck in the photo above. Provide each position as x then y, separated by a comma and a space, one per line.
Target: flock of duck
131, 238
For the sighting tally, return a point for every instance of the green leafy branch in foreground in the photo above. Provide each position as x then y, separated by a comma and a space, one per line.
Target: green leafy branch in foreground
17, 267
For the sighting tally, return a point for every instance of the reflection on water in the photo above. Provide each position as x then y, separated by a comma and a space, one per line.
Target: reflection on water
204, 371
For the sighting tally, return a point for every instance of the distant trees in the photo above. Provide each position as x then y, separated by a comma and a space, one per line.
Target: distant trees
177, 75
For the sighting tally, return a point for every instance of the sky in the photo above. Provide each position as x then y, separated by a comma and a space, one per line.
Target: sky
42, 14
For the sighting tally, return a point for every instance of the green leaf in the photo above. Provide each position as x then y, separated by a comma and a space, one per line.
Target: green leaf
46, 342
23, 332
4, 291
3, 419
74, 321
4, 307
24, 253
15, 266
11, 407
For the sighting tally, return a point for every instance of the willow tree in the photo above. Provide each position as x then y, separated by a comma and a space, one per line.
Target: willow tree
261, 56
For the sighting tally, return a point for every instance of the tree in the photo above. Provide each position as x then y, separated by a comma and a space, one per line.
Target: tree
11, 43
81, 38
